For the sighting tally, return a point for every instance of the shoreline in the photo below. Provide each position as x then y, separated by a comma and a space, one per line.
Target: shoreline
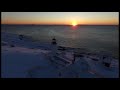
66, 47
22, 58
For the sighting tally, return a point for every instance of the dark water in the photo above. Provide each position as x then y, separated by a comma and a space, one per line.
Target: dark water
100, 38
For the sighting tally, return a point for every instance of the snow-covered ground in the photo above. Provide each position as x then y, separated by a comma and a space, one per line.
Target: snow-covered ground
23, 58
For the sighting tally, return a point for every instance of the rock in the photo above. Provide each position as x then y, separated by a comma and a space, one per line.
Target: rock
12, 46
21, 37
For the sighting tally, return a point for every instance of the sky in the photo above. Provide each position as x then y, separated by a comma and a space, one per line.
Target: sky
64, 18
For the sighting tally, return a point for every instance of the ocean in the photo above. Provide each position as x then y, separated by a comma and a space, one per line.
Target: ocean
96, 38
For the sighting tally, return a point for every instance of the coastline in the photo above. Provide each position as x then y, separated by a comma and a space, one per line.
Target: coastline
116, 56
24, 58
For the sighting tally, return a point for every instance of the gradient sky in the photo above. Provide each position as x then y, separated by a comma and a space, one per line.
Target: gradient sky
104, 18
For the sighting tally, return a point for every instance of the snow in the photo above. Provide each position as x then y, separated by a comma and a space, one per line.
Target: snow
27, 59
19, 60
16, 64
102, 70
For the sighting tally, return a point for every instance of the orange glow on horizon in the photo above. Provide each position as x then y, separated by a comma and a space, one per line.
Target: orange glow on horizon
61, 18
73, 23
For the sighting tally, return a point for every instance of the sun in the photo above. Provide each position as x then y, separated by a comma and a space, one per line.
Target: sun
74, 23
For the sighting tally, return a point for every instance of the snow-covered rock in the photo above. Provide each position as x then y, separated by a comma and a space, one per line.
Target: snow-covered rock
23, 58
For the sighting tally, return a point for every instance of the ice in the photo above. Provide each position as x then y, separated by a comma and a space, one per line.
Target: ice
27, 59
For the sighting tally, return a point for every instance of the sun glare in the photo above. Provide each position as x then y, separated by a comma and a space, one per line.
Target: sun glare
74, 23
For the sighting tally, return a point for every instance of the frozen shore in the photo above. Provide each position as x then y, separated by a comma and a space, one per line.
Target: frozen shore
22, 58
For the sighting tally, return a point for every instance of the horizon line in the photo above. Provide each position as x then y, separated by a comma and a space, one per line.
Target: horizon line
65, 24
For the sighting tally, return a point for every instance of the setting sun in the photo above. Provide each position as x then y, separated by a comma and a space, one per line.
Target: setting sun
74, 23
